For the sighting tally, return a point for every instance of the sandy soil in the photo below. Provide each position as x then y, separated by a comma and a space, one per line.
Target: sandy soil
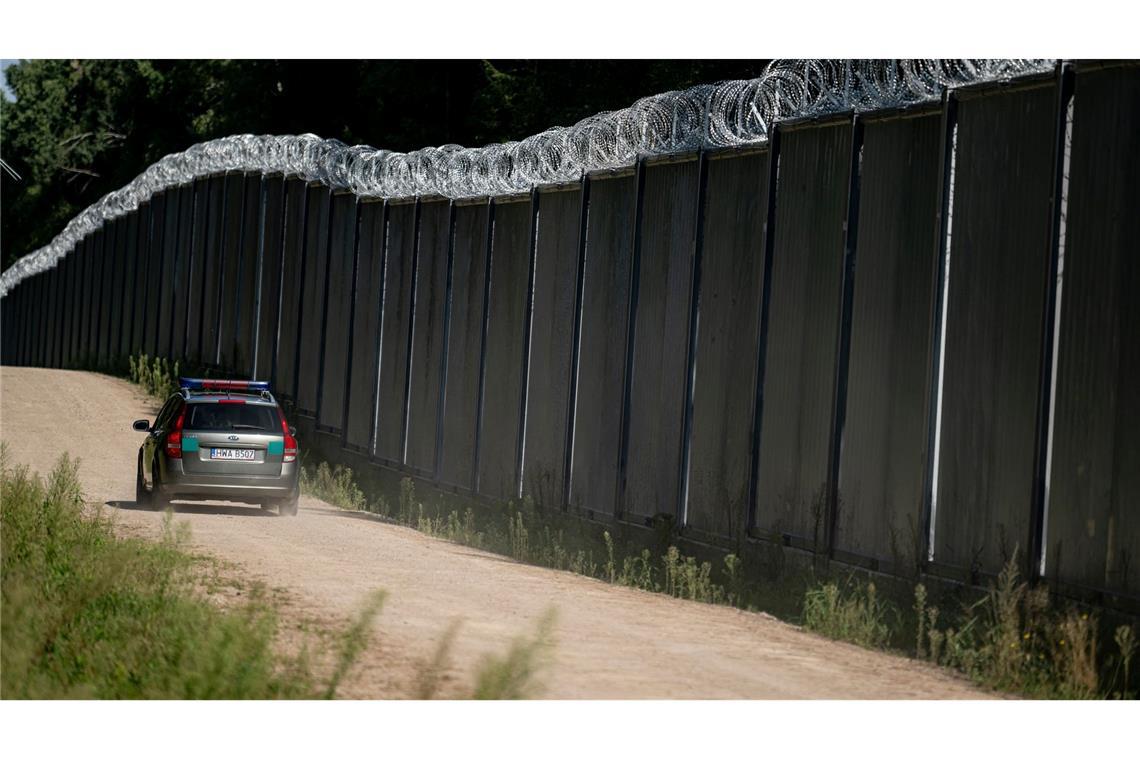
612, 642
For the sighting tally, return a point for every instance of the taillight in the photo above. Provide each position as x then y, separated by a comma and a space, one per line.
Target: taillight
174, 437
290, 441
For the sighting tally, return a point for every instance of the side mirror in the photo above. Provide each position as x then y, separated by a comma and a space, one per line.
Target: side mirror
293, 432
142, 426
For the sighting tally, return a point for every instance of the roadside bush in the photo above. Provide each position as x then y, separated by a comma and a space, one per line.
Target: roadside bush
90, 615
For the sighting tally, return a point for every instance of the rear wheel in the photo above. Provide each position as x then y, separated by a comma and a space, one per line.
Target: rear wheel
158, 500
289, 505
142, 496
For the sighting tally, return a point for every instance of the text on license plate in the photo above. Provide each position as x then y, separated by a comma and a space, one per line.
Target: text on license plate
231, 453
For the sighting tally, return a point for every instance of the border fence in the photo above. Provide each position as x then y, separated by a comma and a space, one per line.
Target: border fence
905, 339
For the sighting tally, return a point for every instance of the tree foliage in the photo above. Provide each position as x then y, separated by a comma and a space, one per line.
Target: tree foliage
81, 128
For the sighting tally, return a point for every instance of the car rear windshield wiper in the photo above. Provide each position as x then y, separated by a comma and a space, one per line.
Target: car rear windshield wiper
246, 427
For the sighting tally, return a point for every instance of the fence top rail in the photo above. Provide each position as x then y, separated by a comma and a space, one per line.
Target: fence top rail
710, 116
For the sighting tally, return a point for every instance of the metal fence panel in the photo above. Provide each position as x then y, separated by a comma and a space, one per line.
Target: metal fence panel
106, 294
245, 300
95, 296
207, 349
884, 449
661, 339
1093, 533
130, 278
164, 313
269, 285
48, 311
313, 298
141, 279
338, 312
551, 346
601, 366
506, 326
233, 244
64, 305
118, 241
997, 277
292, 275
394, 339
732, 264
184, 256
156, 273
465, 346
807, 277
359, 426
428, 330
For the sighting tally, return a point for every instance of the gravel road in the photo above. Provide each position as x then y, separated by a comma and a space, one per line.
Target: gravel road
612, 642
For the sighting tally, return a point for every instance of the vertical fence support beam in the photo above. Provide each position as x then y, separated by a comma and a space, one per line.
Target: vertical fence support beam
378, 356
576, 345
694, 332
221, 252
301, 290
631, 337
938, 336
196, 231
843, 335
441, 406
1050, 315
178, 232
490, 241
524, 385
351, 318
329, 222
256, 313
407, 407
769, 249
280, 296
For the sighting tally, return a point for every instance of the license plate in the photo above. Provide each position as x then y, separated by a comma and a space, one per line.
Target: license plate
231, 454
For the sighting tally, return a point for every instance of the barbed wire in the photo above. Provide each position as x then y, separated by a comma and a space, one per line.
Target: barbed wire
726, 114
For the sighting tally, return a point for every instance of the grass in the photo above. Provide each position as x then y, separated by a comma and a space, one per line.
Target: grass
91, 615
1010, 638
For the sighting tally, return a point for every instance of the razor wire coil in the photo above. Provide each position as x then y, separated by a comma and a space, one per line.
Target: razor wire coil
727, 114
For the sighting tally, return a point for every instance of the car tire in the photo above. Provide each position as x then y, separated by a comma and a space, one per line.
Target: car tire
289, 506
142, 496
158, 500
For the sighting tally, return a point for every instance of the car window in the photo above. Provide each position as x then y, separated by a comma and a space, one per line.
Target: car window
164, 414
223, 417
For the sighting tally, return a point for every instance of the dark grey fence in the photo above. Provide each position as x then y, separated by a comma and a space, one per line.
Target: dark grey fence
902, 340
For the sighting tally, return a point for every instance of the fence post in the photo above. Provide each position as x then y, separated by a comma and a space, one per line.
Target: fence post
520, 438
490, 239
301, 293
762, 331
843, 349
407, 408
329, 222
280, 279
694, 328
631, 337
938, 321
441, 405
1050, 321
572, 405
351, 319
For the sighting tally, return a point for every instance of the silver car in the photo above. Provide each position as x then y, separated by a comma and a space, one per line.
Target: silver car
219, 440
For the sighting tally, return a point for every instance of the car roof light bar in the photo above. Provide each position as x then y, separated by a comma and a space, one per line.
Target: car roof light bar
197, 384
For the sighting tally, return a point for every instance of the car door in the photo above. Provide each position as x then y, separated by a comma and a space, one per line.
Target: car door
154, 438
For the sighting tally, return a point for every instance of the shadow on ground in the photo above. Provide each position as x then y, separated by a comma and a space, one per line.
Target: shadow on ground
197, 509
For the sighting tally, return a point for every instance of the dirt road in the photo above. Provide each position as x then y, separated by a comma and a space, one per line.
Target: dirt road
612, 642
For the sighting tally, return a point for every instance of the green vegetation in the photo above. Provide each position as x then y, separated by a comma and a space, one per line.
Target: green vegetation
89, 615
1012, 638
158, 377
79, 129
1009, 639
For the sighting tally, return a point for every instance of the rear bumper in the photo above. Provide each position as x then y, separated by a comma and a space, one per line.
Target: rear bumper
256, 488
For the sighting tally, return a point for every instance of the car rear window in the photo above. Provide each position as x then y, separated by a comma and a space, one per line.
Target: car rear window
247, 417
